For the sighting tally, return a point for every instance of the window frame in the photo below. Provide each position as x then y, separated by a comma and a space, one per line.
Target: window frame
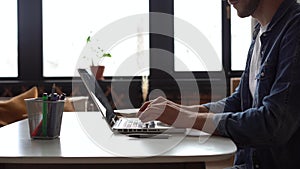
30, 47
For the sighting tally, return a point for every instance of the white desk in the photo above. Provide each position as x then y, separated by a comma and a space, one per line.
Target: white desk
86, 139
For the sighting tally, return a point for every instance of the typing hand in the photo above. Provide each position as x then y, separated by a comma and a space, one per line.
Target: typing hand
167, 112
192, 108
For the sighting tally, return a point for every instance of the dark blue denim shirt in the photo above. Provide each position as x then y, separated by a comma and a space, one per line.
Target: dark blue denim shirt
266, 129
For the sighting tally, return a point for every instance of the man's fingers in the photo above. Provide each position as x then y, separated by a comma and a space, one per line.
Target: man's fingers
154, 109
154, 102
143, 108
150, 114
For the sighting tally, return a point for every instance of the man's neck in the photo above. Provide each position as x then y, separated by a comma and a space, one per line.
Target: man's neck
266, 10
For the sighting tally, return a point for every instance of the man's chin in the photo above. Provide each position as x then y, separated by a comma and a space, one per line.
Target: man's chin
233, 2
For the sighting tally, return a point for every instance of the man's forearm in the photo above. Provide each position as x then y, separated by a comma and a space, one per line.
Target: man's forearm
204, 122
196, 108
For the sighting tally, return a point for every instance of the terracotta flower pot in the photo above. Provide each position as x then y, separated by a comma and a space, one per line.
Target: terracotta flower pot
98, 72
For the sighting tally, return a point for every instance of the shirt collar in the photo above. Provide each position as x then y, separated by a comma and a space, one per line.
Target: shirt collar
281, 11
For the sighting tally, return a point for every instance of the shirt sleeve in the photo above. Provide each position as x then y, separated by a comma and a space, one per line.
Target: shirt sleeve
229, 104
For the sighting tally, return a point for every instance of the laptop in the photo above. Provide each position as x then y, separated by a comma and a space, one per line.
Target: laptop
117, 124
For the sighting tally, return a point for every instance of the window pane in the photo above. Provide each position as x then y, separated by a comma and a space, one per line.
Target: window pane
68, 23
240, 40
9, 38
202, 47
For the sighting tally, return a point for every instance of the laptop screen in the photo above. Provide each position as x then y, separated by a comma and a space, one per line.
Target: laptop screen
97, 95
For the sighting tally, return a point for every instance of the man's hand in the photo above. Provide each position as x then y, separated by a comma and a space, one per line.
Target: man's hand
173, 114
192, 108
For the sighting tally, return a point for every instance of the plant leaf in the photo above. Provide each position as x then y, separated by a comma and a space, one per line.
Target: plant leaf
88, 39
106, 55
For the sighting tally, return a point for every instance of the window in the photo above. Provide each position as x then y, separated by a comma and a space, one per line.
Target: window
241, 35
68, 23
53, 33
9, 38
203, 32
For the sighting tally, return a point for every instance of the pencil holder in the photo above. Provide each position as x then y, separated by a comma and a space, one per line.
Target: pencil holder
44, 118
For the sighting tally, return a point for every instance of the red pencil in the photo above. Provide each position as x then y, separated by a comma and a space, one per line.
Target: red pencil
37, 129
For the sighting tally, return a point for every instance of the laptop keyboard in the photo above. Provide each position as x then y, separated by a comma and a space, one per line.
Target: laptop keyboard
136, 123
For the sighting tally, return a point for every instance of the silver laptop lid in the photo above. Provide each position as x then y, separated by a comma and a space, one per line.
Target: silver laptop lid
98, 96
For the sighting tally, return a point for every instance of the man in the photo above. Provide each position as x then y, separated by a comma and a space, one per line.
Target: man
262, 117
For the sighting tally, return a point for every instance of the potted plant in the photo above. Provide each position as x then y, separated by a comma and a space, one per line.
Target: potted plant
97, 69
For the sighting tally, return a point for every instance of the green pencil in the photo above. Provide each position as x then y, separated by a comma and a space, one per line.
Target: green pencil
44, 124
